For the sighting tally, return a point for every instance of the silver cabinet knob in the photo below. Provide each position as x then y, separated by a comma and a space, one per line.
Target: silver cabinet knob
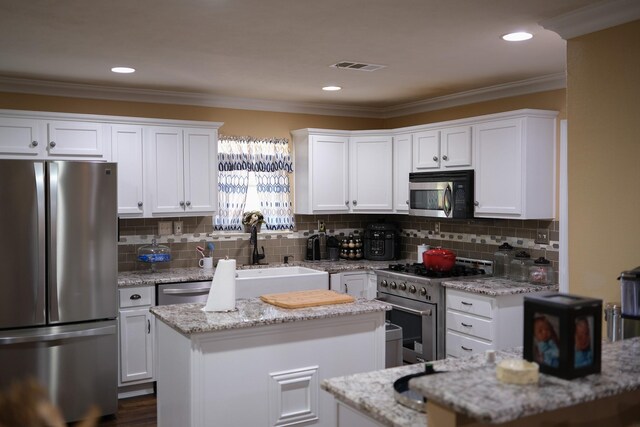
188, 203
435, 158
182, 203
34, 143
445, 158
407, 202
139, 204
476, 203
346, 202
355, 203
52, 144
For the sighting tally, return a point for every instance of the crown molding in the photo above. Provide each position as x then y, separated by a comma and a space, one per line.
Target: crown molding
595, 17
79, 90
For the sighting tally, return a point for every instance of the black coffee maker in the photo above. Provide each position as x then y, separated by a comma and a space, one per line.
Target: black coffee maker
381, 242
313, 248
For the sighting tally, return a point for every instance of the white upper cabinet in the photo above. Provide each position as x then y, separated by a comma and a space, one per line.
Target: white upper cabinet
371, 173
182, 170
335, 172
514, 162
447, 148
401, 169
21, 138
127, 151
75, 139
29, 137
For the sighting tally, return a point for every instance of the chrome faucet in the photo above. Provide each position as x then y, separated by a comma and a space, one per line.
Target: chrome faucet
255, 256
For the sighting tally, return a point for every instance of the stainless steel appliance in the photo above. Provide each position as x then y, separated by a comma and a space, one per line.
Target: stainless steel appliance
441, 194
381, 242
630, 304
182, 293
417, 298
313, 248
58, 310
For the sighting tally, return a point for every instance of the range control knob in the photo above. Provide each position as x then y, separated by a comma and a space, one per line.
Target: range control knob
383, 283
423, 291
403, 286
412, 289
393, 285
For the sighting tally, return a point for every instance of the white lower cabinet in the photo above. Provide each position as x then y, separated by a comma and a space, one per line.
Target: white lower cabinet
358, 284
136, 329
476, 322
349, 417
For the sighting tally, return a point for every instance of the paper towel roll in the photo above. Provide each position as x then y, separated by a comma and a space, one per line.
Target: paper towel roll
222, 295
421, 249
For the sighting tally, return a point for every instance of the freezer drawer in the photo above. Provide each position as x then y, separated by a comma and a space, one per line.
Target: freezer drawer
76, 363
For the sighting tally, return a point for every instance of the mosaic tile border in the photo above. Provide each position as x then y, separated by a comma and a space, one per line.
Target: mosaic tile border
517, 242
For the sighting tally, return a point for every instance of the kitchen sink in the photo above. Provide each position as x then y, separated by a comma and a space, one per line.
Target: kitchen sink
251, 283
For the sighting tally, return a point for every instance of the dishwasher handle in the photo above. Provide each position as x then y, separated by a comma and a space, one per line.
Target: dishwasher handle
185, 291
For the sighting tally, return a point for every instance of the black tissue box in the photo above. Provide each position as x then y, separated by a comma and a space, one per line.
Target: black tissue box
563, 334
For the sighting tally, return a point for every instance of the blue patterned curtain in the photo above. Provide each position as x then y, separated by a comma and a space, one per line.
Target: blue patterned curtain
270, 161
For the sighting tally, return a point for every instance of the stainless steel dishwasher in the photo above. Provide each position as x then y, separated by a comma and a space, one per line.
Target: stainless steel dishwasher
181, 293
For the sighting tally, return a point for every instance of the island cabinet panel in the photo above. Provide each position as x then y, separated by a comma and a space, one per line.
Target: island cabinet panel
266, 375
349, 417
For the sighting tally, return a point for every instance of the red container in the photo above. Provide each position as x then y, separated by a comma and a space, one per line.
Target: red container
439, 259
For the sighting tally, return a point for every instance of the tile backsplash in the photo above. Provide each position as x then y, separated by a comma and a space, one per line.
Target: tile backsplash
477, 238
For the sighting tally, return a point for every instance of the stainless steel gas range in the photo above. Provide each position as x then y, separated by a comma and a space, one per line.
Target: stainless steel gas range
418, 302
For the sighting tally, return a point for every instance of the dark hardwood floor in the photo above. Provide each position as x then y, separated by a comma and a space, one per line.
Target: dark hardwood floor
135, 411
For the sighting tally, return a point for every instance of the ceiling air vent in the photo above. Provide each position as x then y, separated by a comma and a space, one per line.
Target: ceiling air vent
351, 65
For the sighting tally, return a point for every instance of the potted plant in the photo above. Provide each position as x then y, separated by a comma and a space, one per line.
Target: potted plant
251, 218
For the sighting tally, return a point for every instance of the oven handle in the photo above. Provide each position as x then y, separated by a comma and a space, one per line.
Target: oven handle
425, 313
174, 291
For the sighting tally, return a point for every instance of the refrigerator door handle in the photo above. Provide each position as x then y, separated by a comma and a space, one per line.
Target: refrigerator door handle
38, 173
103, 330
54, 314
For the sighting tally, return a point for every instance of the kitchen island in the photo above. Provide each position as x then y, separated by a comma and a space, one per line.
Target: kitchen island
261, 364
469, 394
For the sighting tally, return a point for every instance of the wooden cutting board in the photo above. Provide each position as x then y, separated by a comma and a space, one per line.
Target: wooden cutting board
301, 299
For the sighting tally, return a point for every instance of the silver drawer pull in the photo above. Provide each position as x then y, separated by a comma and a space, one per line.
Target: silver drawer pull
466, 303
175, 291
465, 348
135, 296
465, 325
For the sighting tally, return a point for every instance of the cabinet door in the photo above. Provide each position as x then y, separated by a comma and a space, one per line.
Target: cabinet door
329, 173
401, 170
136, 344
371, 173
426, 150
165, 166
498, 167
456, 147
75, 139
355, 284
126, 149
200, 170
21, 138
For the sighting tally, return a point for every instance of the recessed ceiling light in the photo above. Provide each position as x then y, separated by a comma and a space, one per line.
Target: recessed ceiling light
331, 88
123, 70
517, 37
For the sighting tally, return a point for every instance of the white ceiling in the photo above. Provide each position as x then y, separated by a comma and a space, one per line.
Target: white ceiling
279, 51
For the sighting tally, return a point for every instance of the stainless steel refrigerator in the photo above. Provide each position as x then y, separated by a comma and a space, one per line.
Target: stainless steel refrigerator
58, 281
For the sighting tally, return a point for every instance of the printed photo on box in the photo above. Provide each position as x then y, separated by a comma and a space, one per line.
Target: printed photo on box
583, 342
545, 340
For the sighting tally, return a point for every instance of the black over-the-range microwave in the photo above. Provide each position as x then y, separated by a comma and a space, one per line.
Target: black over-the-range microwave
446, 194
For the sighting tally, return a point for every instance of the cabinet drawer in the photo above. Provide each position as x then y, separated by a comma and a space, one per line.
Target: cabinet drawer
462, 346
470, 325
134, 297
470, 303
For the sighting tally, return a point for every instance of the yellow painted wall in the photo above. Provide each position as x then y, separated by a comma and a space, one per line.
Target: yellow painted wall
603, 109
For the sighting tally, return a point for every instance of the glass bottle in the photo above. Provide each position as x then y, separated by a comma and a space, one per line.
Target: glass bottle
502, 260
519, 266
154, 253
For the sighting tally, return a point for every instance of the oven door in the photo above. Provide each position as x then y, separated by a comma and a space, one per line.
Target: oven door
419, 327
431, 199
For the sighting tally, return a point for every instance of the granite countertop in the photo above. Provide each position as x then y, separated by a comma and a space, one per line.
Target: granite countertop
195, 274
471, 388
494, 286
190, 319
372, 392
479, 395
